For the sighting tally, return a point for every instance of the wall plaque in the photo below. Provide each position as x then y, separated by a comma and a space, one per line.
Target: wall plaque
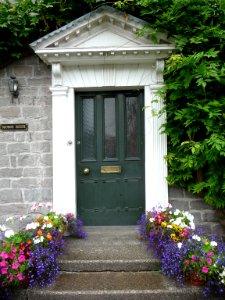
14, 127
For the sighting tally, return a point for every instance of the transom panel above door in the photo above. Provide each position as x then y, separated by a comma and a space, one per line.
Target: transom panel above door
110, 157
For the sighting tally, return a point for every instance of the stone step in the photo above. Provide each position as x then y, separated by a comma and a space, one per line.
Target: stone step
108, 249
114, 285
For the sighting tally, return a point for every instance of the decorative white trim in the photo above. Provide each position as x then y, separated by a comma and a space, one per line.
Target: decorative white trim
64, 174
56, 74
156, 188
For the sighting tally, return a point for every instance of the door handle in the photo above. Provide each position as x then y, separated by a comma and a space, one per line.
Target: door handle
86, 171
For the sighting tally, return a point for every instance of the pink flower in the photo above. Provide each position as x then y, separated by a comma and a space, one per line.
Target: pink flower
14, 250
21, 258
187, 261
4, 255
209, 260
12, 256
3, 263
205, 269
11, 277
210, 253
193, 257
20, 276
15, 266
4, 271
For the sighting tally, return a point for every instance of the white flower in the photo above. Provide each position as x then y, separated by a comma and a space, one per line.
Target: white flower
9, 233
49, 225
176, 212
56, 217
44, 226
9, 219
179, 245
196, 237
169, 226
192, 225
151, 219
32, 225
3, 228
213, 243
46, 218
38, 240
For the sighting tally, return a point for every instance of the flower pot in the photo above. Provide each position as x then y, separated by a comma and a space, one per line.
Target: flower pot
195, 280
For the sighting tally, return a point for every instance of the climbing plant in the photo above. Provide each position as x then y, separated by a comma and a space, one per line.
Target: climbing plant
194, 92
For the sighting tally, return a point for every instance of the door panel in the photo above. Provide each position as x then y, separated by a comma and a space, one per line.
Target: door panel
110, 157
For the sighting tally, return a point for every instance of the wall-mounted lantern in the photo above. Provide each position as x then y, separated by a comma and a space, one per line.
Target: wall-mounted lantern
13, 87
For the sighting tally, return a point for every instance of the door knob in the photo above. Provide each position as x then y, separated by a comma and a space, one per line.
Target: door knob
86, 171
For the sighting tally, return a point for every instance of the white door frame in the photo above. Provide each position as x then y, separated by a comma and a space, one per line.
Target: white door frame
64, 86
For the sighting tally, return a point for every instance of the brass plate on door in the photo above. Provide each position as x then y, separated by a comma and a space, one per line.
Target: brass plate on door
111, 169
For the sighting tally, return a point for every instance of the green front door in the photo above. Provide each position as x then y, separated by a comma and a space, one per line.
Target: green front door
110, 157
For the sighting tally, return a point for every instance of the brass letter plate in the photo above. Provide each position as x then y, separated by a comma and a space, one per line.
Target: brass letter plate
111, 169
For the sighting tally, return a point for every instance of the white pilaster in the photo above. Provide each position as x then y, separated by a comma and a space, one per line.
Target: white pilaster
156, 188
63, 149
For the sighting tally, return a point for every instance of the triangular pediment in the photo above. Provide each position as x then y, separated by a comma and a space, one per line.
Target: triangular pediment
103, 30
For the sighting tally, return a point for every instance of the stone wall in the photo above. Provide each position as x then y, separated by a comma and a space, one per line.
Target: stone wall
25, 156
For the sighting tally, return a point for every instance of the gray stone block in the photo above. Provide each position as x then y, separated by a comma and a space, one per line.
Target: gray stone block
175, 192
22, 71
8, 210
40, 125
10, 195
10, 112
47, 182
20, 136
43, 136
46, 81
180, 204
18, 147
46, 195
6, 136
46, 159
4, 183
3, 148
10, 172
13, 161
27, 160
35, 112
41, 147
32, 172
4, 161
209, 216
199, 204
24, 183
47, 172
32, 195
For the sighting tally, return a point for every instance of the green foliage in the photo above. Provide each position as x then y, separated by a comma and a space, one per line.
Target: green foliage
23, 21
195, 93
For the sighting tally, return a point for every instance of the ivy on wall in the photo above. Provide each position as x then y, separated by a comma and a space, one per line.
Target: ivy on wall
194, 89
194, 92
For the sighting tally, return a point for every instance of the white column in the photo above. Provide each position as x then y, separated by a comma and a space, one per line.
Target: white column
156, 188
63, 150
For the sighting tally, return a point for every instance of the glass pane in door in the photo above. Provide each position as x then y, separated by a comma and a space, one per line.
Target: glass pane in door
88, 130
131, 127
110, 127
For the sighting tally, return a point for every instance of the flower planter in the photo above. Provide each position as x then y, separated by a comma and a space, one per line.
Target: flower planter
195, 280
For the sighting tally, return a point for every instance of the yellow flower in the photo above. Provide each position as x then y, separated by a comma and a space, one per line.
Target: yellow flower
174, 226
173, 235
178, 229
175, 239
164, 224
